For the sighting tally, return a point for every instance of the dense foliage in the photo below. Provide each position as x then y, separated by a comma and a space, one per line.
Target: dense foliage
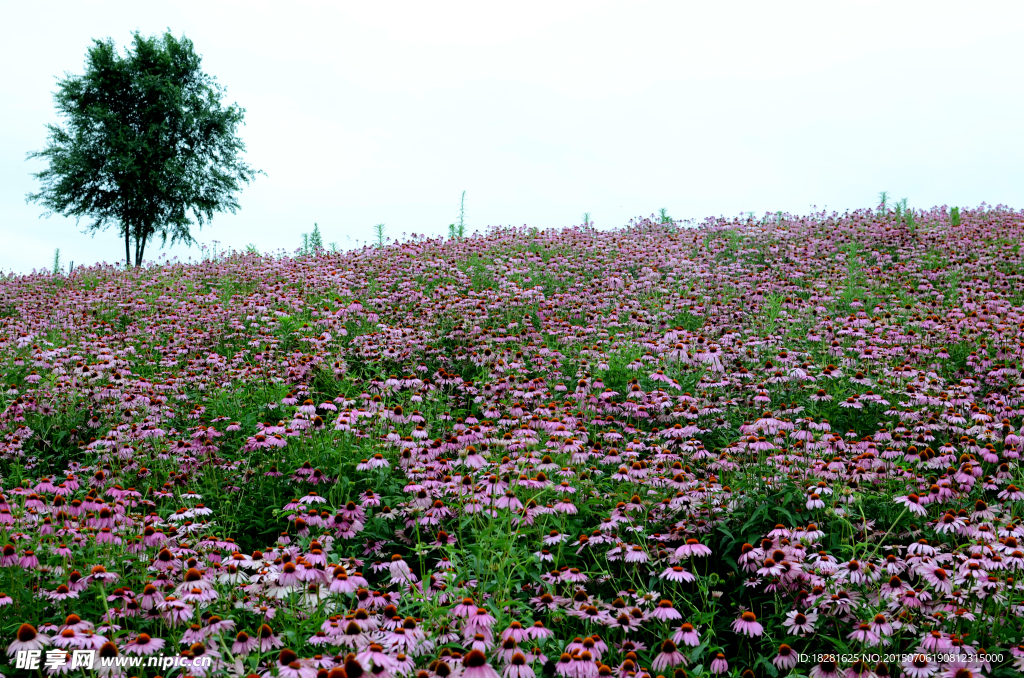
653, 450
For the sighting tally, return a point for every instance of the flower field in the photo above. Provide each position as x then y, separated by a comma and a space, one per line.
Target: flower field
748, 448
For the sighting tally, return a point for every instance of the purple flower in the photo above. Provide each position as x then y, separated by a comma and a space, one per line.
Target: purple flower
748, 624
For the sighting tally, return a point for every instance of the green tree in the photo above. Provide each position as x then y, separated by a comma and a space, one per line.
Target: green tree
147, 142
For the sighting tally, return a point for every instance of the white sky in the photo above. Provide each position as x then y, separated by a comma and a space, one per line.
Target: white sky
366, 112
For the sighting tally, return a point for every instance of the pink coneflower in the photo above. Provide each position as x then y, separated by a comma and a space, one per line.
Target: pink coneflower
913, 504
935, 641
198, 595
76, 623
406, 637
565, 666
475, 665
62, 551
855, 571
27, 639
244, 643
288, 576
719, 664
518, 667
257, 442
949, 522
824, 669
193, 635
399, 569
748, 624
677, 573
799, 623
961, 669
686, 635
921, 548
596, 646
215, 625
665, 612
894, 586
268, 640
881, 626
770, 568
321, 638
67, 638
668, 656
441, 670
864, 634
539, 632
636, 554
537, 657
28, 560
859, 669
100, 575
1011, 493
374, 656
482, 642
175, 611
143, 644
545, 601
479, 621
107, 651
693, 548
919, 666
62, 592
786, 658
90, 641
151, 597
575, 575
626, 622
937, 578
516, 632
465, 608
289, 665
508, 647
404, 665
564, 505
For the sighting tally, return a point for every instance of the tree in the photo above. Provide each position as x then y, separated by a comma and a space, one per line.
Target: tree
312, 242
147, 142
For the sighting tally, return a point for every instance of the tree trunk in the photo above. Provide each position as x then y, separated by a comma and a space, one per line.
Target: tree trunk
140, 245
127, 250
141, 235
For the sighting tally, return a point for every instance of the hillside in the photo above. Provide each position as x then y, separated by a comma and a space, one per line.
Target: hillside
578, 452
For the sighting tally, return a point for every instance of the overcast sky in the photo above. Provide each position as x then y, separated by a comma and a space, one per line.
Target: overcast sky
366, 112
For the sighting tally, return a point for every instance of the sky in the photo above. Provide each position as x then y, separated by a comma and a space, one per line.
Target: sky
385, 112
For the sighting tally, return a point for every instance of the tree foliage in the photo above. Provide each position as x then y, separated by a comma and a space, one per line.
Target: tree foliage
148, 144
